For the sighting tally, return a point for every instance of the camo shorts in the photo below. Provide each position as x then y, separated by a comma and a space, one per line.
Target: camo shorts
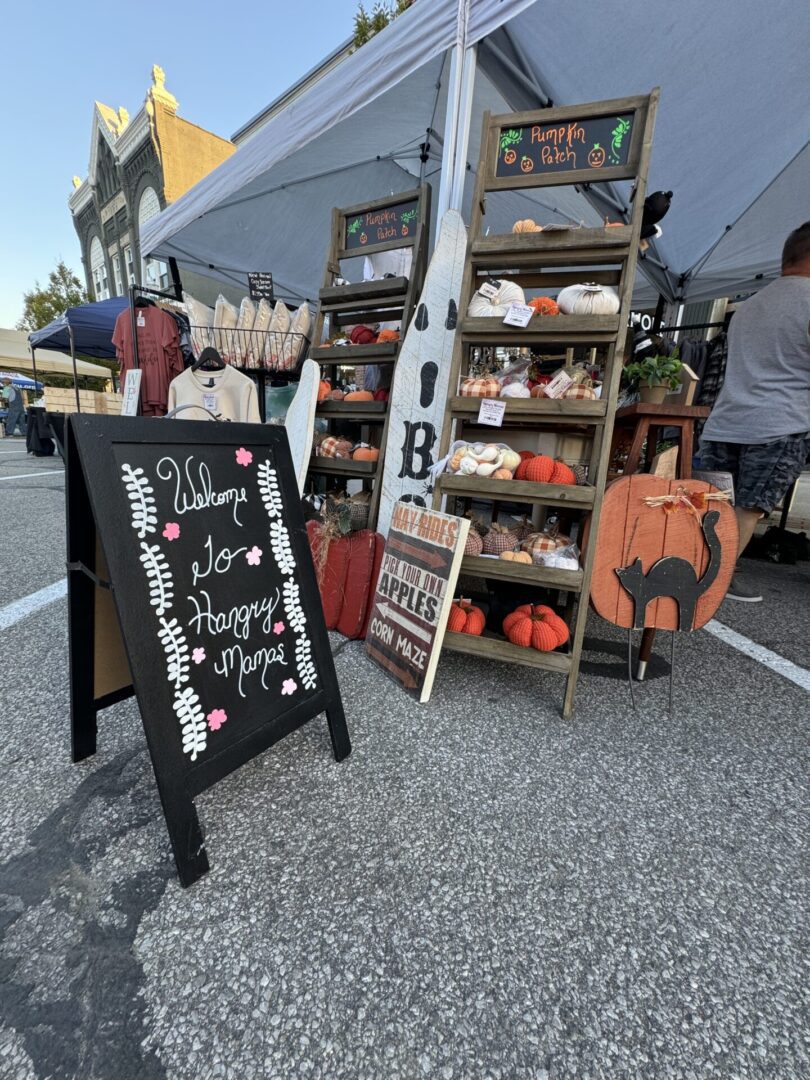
763, 473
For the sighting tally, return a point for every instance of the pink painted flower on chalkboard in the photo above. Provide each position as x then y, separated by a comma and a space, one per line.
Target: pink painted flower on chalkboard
198, 655
289, 686
172, 530
216, 718
254, 556
243, 456
278, 628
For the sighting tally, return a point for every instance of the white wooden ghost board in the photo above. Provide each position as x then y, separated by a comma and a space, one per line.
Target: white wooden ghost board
421, 377
300, 420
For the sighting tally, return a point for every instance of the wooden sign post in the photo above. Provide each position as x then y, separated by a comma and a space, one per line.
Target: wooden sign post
203, 539
415, 587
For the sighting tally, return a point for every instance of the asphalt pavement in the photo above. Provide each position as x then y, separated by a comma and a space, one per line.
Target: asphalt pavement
481, 890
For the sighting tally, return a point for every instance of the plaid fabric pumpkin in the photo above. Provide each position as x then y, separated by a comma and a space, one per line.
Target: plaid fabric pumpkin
334, 447
579, 392
480, 388
499, 539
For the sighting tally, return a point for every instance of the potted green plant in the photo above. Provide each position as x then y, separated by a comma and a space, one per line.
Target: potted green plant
655, 376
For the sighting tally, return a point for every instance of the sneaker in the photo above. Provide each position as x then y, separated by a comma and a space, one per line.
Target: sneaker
738, 590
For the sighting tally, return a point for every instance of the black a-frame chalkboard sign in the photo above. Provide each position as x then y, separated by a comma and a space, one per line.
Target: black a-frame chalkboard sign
192, 535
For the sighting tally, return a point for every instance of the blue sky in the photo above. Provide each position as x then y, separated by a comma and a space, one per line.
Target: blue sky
223, 63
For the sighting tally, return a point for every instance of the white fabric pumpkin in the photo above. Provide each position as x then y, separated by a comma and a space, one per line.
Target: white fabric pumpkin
588, 300
516, 390
482, 307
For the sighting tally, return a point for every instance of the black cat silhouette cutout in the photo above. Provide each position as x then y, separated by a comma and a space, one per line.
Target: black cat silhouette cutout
675, 577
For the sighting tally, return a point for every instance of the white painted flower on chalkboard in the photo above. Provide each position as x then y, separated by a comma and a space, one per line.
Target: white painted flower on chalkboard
158, 576
268, 488
192, 721
280, 545
176, 649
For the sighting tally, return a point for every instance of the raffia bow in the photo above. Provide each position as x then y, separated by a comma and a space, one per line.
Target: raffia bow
693, 502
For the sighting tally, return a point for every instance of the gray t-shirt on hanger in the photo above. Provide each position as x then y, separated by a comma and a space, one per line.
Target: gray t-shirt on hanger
766, 392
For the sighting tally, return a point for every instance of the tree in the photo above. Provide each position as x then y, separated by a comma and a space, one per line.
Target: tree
366, 24
64, 290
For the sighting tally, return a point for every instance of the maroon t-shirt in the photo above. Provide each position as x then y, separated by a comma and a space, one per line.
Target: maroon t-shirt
159, 354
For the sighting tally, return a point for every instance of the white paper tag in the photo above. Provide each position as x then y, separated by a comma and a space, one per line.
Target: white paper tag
210, 402
488, 289
558, 385
141, 319
132, 391
491, 411
518, 315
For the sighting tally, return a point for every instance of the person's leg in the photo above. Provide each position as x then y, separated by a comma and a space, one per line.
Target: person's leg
746, 523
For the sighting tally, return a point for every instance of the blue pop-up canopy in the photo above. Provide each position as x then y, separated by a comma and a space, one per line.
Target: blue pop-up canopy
92, 326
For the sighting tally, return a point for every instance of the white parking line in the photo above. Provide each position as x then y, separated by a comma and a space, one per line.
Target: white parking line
786, 668
20, 609
27, 475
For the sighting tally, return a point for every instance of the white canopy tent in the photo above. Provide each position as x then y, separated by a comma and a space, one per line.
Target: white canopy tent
15, 352
731, 139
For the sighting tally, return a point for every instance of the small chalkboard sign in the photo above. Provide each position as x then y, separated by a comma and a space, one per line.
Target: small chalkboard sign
210, 569
592, 143
381, 225
260, 285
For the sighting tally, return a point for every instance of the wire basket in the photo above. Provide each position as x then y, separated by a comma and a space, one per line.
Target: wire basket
267, 350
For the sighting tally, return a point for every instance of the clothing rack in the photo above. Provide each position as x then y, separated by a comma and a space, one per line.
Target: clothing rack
689, 326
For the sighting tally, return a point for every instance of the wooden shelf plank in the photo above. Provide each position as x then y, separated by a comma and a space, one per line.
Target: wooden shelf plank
350, 355
502, 570
538, 410
364, 291
548, 328
541, 243
492, 648
352, 410
578, 496
361, 470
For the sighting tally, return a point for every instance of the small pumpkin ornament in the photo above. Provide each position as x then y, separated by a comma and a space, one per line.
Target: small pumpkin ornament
522, 528
475, 543
485, 387
588, 299
499, 538
539, 469
364, 452
360, 395
535, 626
516, 556
501, 474
464, 618
335, 447
562, 474
388, 335
324, 389
526, 225
542, 542
362, 335
544, 305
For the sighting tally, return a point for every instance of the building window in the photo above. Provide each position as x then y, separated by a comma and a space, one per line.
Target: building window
98, 270
119, 281
155, 273
130, 266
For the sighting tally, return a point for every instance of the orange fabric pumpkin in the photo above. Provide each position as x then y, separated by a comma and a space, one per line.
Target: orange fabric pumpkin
324, 389
562, 474
359, 395
520, 471
516, 556
388, 335
466, 619
544, 305
366, 453
536, 627
539, 469
501, 474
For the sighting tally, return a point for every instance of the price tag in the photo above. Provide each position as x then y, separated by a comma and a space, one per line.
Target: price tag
491, 411
132, 391
558, 385
518, 315
489, 289
141, 320
210, 402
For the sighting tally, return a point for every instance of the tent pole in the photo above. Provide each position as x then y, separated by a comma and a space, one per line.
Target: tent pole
75, 373
463, 130
34, 366
450, 130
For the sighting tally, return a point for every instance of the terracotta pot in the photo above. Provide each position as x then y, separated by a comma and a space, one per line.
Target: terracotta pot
654, 395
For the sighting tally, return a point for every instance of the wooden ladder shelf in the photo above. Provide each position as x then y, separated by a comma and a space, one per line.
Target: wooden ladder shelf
548, 261
391, 299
